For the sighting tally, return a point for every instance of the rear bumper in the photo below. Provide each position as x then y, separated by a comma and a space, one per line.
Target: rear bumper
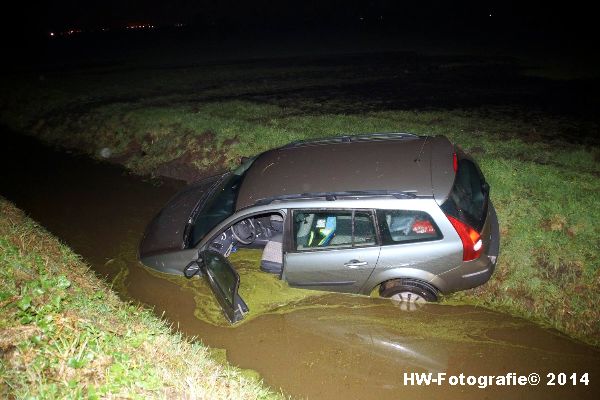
466, 276
477, 272
478, 278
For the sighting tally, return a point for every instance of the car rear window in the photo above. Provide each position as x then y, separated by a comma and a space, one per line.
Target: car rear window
406, 226
467, 201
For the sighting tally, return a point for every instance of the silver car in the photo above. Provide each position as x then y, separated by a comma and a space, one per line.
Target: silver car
409, 215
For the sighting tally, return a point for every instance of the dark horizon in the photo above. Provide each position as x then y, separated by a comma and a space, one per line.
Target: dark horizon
32, 34
501, 17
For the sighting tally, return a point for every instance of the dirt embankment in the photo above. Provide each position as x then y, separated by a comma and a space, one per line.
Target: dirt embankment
64, 333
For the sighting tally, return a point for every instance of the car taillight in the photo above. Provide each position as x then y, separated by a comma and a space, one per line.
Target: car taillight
471, 240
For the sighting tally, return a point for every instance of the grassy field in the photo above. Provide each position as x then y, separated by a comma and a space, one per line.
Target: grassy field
65, 334
543, 166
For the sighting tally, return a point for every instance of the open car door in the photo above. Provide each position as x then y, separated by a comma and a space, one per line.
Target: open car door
224, 282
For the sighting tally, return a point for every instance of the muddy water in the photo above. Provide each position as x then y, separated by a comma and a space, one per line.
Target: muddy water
334, 346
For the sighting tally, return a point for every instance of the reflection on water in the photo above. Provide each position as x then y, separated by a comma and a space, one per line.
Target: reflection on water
363, 348
323, 347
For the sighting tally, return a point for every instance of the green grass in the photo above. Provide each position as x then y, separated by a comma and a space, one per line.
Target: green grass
65, 334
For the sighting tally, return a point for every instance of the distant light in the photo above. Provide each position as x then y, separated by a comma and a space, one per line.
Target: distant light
490, 15
51, 33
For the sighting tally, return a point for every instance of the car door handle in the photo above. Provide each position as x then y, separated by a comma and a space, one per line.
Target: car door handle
355, 263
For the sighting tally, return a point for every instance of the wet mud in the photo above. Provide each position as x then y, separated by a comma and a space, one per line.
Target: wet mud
325, 346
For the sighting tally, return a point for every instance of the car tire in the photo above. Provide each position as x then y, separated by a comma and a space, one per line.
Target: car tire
408, 291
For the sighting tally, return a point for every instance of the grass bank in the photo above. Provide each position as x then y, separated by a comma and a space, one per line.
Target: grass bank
543, 168
65, 334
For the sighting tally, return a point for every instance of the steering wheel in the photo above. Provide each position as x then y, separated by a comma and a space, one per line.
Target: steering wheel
244, 231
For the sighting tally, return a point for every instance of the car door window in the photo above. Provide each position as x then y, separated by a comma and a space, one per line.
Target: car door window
224, 282
333, 229
364, 230
406, 226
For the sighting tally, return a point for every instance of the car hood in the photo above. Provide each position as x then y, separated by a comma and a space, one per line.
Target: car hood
165, 233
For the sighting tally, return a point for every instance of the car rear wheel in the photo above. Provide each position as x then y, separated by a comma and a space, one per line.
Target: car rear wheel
408, 291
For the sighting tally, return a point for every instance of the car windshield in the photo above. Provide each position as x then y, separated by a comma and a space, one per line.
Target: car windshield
221, 205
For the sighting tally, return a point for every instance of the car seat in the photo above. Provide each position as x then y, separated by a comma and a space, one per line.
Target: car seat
272, 257
304, 229
399, 225
276, 222
322, 235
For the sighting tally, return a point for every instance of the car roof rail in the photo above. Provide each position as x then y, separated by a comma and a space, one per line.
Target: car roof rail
332, 196
362, 137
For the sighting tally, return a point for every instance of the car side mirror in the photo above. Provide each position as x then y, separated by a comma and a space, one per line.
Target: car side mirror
192, 269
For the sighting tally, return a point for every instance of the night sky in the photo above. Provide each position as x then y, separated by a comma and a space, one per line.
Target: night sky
268, 14
26, 28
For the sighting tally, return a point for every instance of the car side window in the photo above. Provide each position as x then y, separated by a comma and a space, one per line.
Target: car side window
333, 229
406, 226
364, 230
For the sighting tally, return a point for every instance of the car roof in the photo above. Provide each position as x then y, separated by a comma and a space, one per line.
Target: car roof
365, 163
